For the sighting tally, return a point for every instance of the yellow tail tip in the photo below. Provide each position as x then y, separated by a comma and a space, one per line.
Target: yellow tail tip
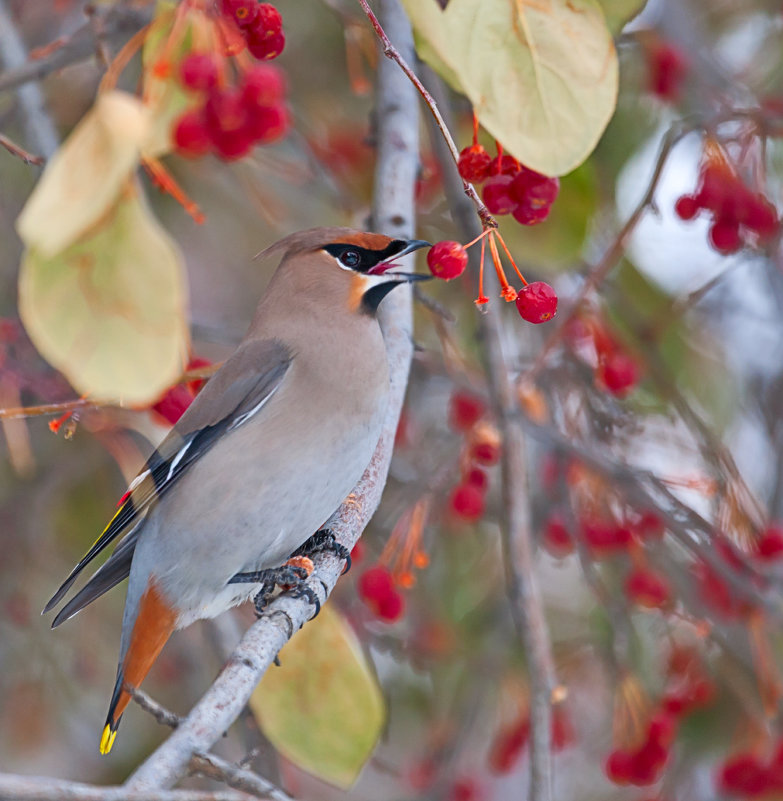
107, 739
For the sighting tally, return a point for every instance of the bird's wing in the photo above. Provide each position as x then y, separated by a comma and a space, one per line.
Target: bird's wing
235, 394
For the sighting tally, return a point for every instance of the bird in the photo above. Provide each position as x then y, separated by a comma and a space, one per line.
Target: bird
262, 458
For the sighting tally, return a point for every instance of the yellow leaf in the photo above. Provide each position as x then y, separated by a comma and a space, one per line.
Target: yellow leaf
85, 176
109, 311
541, 74
323, 709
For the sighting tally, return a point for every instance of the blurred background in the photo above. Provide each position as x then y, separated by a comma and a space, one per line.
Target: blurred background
655, 453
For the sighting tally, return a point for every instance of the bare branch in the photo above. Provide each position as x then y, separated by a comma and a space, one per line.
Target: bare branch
34, 788
213, 767
393, 213
108, 25
37, 124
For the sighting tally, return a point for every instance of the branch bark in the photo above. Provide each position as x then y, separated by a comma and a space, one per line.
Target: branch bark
393, 213
34, 788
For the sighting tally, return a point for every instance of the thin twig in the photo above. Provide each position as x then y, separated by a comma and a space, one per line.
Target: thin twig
238, 778
390, 51
164, 716
13, 148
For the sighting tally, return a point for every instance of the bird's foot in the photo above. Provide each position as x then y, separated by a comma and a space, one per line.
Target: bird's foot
289, 577
322, 541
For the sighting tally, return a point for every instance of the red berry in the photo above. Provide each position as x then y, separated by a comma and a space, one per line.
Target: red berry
508, 745
534, 188
467, 502
743, 774
227, 123
649, 526
243, 12
263, 85
504, 165
465, 410
447, 259
605, 539
619, 767
686, 207
267, 47
667, 69
375, 583
477, 478
769, 546
526, 214
486, 453
268, 21
268, 124
537, 302
473, 164
198, 71
390, 607
618, 373
725, 236
191, 137
647, 588
557, 538
465, 789
761, 216
497, 194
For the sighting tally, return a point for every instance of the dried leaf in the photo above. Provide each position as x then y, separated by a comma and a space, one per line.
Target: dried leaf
109, 311
541, 74
83, 179
323, 709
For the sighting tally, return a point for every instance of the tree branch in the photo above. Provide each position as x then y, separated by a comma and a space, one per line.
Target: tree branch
34, 788
110, 25
393, 212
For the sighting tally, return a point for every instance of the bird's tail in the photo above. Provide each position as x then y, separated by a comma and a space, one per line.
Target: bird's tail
154, 624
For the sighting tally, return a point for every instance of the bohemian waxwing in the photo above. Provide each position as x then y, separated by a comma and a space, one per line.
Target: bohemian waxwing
263, 457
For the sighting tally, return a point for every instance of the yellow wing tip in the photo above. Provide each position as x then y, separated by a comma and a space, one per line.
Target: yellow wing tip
107, 739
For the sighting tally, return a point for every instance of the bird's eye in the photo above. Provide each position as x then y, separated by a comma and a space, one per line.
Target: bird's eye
350, 258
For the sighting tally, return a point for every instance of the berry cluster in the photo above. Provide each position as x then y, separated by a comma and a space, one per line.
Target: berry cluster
740, 216
377, 589
509, 187
260, 24
748, 775
232, 119
481, 449
615, 370
536, 302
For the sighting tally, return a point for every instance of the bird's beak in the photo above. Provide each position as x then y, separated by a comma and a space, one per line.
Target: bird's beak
406, 246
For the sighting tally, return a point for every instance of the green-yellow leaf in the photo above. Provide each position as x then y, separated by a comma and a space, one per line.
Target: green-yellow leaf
83, 179
618, 12
541, 74
109, 312
323, 709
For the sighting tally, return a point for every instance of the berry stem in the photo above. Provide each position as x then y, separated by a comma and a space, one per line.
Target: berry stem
507, 291
510, 258
499, 148
120, 61
480, 236
482, 298
165, 180
475, 128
